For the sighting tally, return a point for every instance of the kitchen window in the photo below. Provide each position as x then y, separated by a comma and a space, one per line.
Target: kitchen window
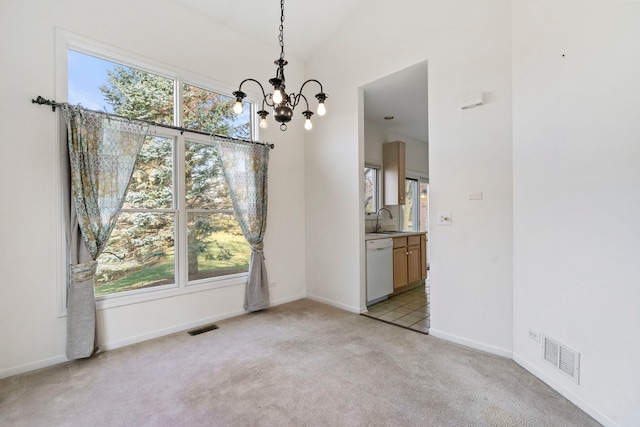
371, 185
414, 213
177, 226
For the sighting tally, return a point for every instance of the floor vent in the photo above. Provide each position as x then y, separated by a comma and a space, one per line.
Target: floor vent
562, 357
202, 330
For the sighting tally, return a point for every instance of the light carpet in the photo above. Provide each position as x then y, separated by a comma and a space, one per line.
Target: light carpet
298, 364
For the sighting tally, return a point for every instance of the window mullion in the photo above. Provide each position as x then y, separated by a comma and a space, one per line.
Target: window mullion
178, 97
224, 211
181, 217
153, 210
377, 190
416, 206
179, 194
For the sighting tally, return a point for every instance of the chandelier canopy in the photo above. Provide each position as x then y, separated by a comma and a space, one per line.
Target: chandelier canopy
282, 104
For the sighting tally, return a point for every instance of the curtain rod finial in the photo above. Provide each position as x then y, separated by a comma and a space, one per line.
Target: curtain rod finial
41, 101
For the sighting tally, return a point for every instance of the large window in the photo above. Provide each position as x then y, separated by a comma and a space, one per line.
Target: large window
141, 249
216, 246
177, 224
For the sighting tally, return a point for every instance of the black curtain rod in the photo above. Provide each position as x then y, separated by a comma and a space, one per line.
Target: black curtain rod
42, 101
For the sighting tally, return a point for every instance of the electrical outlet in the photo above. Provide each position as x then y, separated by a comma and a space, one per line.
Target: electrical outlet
444, 218
534, 335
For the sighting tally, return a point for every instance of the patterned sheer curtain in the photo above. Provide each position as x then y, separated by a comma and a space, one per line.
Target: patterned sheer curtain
102, 154
244, 166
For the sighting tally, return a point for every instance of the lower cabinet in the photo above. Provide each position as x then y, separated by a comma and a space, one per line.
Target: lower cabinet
414, 270
409, 261
400, 270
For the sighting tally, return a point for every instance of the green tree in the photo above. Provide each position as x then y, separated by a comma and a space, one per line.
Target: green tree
141, 95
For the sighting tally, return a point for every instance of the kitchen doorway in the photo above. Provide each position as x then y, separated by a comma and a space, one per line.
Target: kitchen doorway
395, 108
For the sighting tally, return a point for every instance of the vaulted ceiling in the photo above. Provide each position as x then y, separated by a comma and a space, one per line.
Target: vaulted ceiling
308, 25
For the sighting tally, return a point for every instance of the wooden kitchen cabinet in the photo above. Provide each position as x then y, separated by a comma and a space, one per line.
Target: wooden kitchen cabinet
409, 261
400, 272
393, 171
414, 268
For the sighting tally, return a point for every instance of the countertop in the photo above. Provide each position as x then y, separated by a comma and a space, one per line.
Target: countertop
391, 234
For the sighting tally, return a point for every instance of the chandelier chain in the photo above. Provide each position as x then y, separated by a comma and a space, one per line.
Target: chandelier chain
282, 104
281, 36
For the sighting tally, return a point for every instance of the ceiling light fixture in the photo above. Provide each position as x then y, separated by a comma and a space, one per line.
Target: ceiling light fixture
282, 104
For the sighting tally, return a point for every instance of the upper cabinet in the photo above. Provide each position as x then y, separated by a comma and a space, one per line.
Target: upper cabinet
393, 169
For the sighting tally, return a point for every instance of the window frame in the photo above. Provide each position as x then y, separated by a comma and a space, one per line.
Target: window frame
377, 187
65, 41
414, 206
416, 179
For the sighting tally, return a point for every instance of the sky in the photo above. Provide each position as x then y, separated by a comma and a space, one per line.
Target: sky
86, 75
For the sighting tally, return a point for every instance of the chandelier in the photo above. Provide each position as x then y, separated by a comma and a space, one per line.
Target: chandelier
282, 104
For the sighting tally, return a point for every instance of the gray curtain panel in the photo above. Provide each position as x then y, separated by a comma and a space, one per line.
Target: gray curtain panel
102, 151
80, 306
245, 169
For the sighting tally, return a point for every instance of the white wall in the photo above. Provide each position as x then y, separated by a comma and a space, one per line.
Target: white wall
577, 204
32, 335
467, 44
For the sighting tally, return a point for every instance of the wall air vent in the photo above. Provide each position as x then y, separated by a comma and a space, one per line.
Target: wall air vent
562, 357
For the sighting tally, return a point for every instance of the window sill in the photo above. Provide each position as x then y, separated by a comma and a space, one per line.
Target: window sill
137, 297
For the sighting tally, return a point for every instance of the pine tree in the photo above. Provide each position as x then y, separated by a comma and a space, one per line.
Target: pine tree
148, 236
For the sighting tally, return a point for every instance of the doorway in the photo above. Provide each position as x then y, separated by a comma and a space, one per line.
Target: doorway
395, 108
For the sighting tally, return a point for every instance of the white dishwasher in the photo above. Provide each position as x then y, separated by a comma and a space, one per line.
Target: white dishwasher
379, 269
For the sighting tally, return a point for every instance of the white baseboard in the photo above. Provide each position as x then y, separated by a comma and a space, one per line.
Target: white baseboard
334, 304
287, 300
33, 366
498, 351
56, 360
594, 412
187, 326
167, 331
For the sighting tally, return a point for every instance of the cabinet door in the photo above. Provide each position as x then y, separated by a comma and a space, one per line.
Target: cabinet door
393, 171
400, 278
414, 265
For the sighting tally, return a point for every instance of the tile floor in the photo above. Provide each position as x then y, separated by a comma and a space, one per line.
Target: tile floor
409, 310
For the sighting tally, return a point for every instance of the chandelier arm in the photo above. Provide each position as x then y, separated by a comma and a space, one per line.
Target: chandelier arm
300, 95
312, 80
294, 99
264, 95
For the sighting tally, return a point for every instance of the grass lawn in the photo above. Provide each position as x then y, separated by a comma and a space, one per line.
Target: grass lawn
163, 273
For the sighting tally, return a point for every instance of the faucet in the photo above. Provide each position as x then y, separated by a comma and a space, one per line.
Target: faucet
378, 218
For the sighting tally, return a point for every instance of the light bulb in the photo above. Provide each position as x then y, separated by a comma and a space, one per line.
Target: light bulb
277, 96
321, 110
263, 123
307, 124
237, 108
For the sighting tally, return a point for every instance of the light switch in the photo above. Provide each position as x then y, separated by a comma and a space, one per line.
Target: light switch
444, 218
